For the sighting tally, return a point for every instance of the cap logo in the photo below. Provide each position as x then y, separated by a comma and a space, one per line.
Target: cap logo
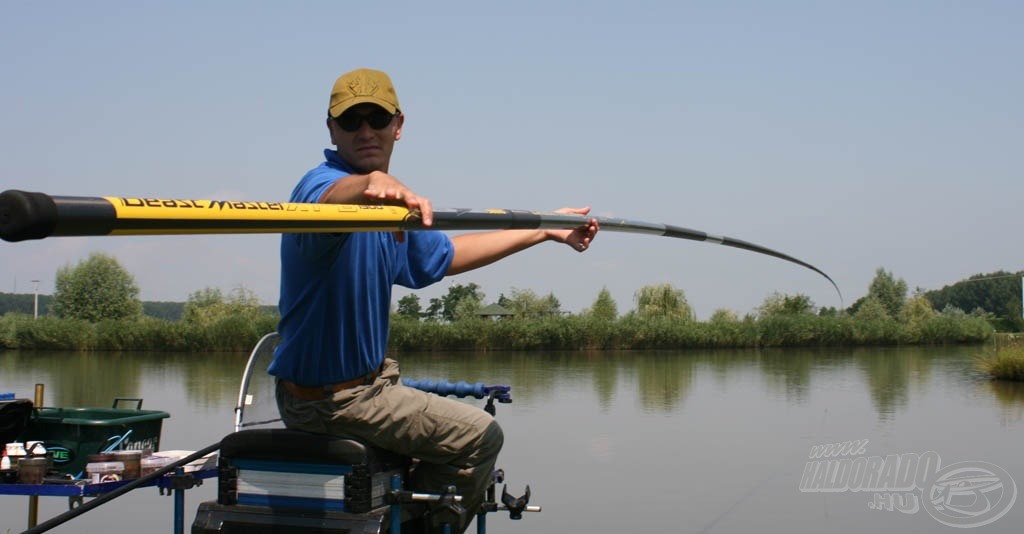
363, 87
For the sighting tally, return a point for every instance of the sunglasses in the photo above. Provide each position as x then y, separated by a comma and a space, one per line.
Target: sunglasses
351, 121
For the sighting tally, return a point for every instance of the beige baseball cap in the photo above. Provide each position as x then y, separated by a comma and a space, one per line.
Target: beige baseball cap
362, 86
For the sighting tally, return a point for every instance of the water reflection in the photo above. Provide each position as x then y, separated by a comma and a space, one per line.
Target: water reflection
660, 380
605, 379
96, 378
788, 372
1010, 396
719, 438
213, 376
887, 373
663, 380
73, 378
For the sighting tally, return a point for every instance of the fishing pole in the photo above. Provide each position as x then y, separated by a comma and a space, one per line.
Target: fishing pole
27, 215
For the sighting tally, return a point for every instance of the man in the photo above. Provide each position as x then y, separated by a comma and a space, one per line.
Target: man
330, 367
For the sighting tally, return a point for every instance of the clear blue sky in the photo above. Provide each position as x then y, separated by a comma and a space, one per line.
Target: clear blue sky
852, 135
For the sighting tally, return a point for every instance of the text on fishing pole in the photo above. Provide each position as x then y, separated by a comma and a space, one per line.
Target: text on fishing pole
200, 204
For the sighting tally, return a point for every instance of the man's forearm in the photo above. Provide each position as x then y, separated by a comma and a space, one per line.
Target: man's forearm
477, 250
349, 189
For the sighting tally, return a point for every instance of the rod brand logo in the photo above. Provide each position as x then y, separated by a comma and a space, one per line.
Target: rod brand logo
202, 204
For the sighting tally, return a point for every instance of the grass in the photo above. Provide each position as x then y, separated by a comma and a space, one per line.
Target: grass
1006, 361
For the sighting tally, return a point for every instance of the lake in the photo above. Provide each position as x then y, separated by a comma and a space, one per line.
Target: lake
650, 441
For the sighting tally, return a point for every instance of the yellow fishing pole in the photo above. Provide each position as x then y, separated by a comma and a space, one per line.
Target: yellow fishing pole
27, 215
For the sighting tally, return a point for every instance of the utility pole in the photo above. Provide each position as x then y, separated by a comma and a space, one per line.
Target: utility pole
35, 301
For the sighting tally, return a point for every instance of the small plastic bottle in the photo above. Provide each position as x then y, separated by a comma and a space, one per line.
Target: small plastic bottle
5, 463
15, 448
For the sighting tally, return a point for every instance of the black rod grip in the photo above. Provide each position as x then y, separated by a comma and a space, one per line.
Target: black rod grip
26, 215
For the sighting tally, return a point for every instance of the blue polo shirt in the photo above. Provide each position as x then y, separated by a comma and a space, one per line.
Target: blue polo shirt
336, 290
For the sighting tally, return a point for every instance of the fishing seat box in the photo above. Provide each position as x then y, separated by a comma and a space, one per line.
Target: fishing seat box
279, 480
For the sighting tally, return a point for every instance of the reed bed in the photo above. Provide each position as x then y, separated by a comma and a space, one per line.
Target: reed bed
239, 332
1004, 360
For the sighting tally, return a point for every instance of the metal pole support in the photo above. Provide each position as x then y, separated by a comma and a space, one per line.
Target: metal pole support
33, 500
396, 508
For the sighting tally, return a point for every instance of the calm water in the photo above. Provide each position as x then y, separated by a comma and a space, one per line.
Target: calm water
642, 441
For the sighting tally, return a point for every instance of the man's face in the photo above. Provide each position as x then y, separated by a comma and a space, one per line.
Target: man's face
366, 148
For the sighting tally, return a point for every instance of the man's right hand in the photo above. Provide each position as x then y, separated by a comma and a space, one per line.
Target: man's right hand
377, 187
386, 189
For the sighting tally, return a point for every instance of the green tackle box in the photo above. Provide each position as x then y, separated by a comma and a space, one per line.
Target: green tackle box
72, 434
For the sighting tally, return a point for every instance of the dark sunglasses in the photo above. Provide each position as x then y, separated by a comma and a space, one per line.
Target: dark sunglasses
351, 121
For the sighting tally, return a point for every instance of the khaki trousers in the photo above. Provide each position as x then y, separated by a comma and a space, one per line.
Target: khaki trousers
456, 443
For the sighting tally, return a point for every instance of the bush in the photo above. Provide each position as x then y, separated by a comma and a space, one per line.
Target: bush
47, 333
1005, 363
240, 329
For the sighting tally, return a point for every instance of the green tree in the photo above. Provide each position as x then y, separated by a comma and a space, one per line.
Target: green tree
209, 305
433, 312
97, 288
889, 291
409, 306
998, 292
203, 303
663, 300
168, 311
525, 303
461, 301
465, 308
872, 309
916, 310
23, 303
723, 315
604, 307
782, 304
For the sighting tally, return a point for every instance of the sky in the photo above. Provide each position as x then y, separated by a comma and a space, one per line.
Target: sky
851, 135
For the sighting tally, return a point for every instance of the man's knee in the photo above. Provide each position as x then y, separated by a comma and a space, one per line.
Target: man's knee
492, 440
